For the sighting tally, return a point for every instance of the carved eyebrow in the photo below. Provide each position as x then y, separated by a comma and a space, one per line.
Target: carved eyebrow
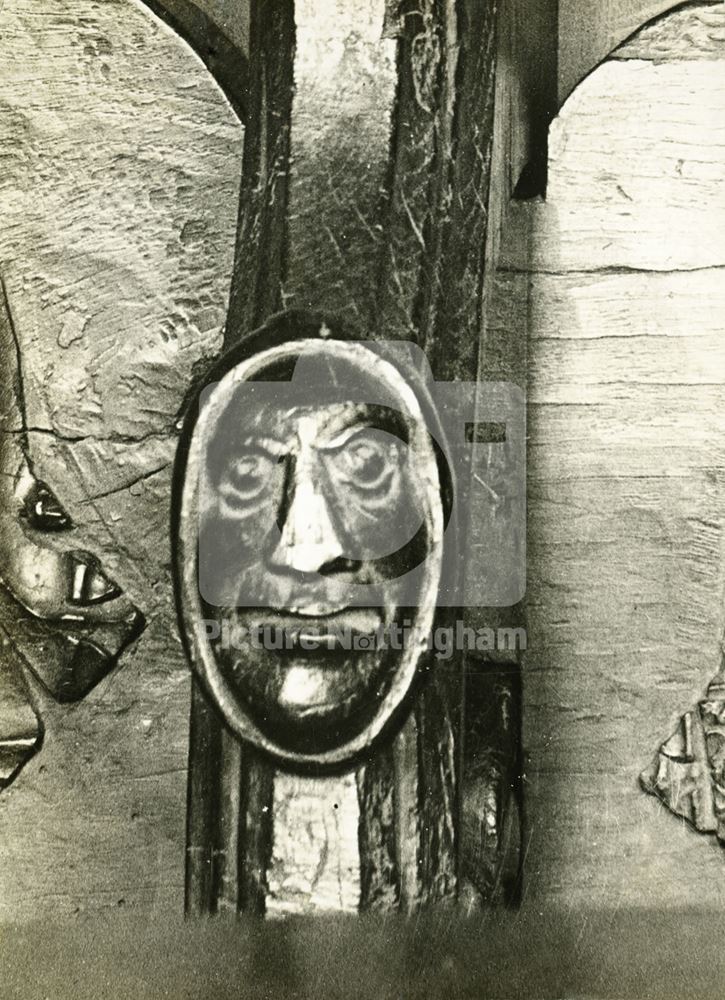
271, 445
347, 433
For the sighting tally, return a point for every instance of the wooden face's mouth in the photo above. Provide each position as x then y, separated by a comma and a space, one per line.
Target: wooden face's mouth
339, 629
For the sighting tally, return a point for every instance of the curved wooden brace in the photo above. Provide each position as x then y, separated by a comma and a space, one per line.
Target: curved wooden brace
545, 49
589, 32
221, 54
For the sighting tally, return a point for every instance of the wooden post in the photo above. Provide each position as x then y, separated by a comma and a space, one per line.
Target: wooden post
390, 234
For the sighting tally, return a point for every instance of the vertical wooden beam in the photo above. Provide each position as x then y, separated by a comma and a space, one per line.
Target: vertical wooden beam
229, 817
379, 849
202, 802
229, 837
392, 234
491, 784
260, 260
314, 165
220, 43
254, 849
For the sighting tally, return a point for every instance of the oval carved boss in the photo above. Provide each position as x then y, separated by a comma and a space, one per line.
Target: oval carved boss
311, 499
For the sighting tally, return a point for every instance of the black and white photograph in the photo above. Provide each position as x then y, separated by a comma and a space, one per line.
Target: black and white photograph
362, 499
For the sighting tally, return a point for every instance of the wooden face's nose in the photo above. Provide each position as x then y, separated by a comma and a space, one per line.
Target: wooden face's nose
309, 540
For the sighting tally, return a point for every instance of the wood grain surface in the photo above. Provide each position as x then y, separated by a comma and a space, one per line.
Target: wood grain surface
636, 171
118, 194
118, 190
689, 33
625, 307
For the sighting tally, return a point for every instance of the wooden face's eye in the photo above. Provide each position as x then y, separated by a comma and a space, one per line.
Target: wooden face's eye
369, 462
248, 475
42, 510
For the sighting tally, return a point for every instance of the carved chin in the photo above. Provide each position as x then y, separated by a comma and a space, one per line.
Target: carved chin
307, 691
308, 702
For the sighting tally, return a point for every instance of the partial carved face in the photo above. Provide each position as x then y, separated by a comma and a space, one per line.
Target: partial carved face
318, 533
69, 620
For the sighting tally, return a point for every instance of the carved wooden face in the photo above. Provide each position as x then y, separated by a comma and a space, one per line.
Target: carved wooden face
318, 532
69, 620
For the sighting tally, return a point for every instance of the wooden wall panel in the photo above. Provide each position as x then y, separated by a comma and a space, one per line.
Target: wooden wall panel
118, 187
622, 273
636, 173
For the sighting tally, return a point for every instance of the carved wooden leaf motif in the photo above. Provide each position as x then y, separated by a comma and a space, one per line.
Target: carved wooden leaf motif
688, 771
20, 728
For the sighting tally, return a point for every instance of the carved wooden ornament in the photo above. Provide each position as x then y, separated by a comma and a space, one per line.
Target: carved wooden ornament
313, 494
688, 771
61, 616
310, 525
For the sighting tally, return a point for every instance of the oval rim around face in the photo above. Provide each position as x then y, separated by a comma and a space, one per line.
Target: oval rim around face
197, 644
